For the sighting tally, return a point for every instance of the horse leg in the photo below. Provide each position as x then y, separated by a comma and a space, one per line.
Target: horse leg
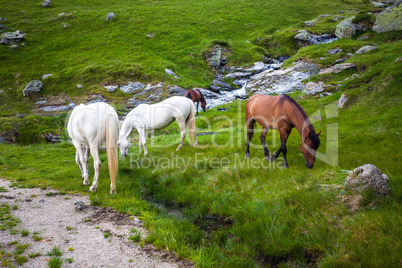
142, 141
263, 138
284, 134
97, 164
250, 131
197, 106
183, 132
82, 159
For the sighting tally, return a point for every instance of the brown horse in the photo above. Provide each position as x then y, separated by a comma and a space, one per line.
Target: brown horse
196, 96
282, 113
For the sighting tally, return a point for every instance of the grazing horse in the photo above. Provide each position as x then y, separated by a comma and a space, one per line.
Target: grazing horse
282, 113
89, 126
196, 96
157, 116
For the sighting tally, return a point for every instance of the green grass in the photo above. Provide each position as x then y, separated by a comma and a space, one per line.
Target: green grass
209, 204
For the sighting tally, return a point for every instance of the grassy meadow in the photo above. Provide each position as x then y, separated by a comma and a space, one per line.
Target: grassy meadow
208, 203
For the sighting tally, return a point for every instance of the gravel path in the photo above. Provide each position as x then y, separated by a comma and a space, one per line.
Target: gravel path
78, 230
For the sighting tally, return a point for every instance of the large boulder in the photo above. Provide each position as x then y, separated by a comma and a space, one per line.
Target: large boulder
346, 29
389, 20
32, 88
368, 177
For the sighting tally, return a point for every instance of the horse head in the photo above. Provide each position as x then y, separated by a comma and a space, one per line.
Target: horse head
204, 105
124, 145
309, 147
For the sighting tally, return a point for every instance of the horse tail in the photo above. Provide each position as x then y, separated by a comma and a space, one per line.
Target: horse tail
112, 134
190, 122
250, 123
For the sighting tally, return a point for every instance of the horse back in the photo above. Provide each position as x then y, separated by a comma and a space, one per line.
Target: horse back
268, 110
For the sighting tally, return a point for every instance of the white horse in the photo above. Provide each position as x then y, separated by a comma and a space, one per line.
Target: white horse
89, 126
157, 116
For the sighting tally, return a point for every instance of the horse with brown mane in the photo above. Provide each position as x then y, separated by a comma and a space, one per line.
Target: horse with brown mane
282, 113
196, 96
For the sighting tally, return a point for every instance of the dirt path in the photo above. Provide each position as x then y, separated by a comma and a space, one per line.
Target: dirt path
78, 230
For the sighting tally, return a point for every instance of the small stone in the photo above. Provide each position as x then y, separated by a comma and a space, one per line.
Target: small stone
111, 88
309, 23
366, 49
33, 87
171, 73
342, 100
334, 51
46, 76
79, 85
14, 47
110, 16
46, 3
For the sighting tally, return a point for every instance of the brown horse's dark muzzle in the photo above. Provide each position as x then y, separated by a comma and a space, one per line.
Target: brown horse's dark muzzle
310, 166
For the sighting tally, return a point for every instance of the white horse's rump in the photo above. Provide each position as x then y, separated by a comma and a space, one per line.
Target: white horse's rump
89, 126
157, 116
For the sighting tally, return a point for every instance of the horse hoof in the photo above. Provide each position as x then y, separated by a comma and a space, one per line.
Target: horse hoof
92, 189
247, 156
86, 182
113, 191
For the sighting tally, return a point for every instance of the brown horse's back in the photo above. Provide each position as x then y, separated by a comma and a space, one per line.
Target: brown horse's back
268, 110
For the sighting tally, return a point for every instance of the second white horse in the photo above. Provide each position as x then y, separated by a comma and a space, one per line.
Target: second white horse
158, 116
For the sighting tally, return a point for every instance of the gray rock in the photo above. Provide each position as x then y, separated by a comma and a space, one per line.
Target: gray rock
338, 68
79, 86
171, 73
41, 102
334, 51
14, 47
389, 20
110, 16
398, 59
4, 41
346, 29
363, 37
238, 75
305, 38
366, 49
309, 23
61, 108
52, 138
378, 4
341, 60
131, 87
17, 36
342, 100
214, 58
222, 85
111, 88
32, 88
368, 177
176, 91
312, 88
2, 91
2, 27
46, 76
46, 3
282, 80
324, 15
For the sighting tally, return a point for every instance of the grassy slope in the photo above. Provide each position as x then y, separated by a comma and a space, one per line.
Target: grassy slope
294, 217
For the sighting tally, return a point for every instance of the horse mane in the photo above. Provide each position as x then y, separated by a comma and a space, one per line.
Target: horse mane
202, 96
188, 95
314, 137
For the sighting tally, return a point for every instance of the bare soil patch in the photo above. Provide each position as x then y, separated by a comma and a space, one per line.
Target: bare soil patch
78, 230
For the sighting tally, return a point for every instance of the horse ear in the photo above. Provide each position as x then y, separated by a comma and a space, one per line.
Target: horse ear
318, 134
